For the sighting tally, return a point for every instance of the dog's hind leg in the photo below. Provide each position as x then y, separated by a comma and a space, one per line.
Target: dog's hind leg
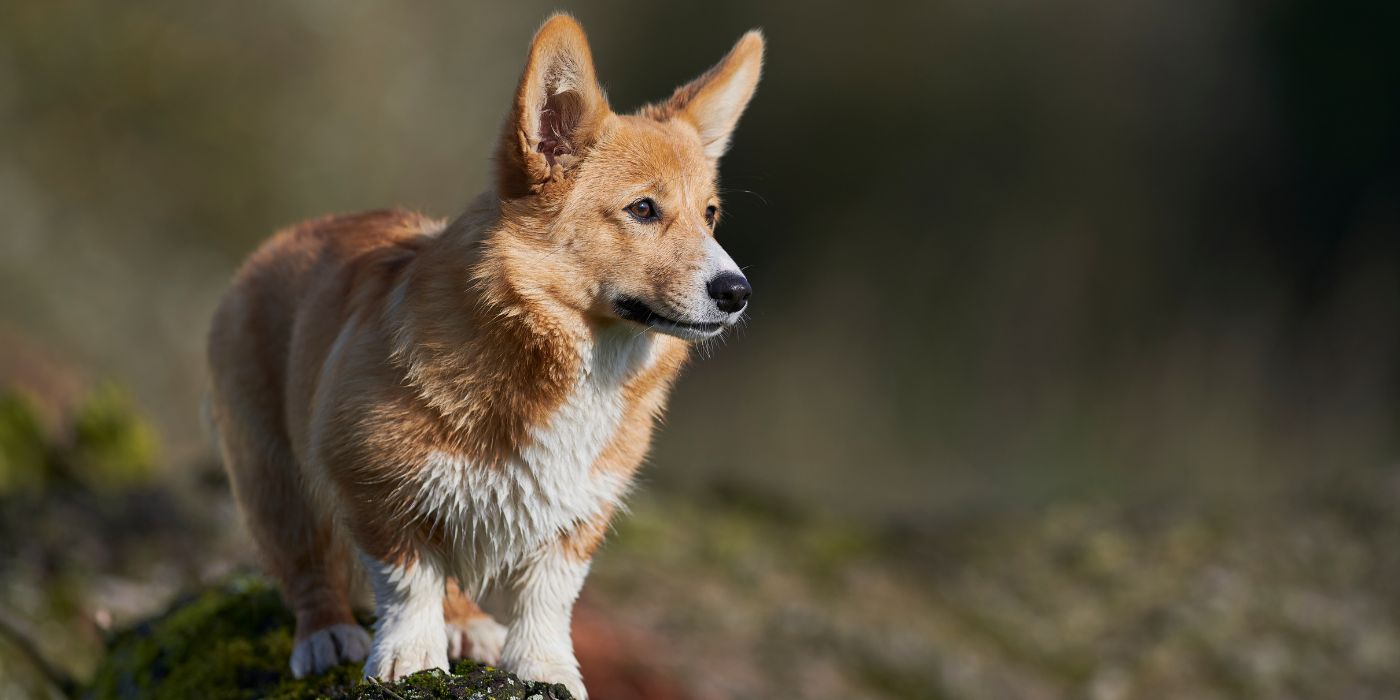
297, 542
471, 632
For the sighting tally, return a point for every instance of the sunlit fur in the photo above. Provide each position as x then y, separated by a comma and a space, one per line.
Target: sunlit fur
460, 404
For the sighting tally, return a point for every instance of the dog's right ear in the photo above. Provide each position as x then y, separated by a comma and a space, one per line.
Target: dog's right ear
558, 108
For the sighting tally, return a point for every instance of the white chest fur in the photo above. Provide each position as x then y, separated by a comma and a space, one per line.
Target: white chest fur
497, 515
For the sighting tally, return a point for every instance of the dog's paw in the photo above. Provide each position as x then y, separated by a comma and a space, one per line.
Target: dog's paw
479, 638
393, 657
564, 672
329, 647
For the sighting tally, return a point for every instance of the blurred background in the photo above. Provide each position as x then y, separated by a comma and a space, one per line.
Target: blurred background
1072, 369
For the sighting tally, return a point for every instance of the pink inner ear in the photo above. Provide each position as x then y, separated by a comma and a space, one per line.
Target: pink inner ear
552, 147
558, 120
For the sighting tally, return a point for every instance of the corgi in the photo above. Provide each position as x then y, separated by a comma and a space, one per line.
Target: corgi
447, 406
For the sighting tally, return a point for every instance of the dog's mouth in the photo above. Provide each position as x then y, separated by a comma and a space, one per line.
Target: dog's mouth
638, 312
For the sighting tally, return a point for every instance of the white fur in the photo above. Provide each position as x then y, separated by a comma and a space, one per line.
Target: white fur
699, 307
509, 519
410, 634
539, 645
479, 639
496, 517
717, 261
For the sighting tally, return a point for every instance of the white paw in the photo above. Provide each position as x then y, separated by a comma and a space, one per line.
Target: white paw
329, 647
397, 656
565, 672
479, 639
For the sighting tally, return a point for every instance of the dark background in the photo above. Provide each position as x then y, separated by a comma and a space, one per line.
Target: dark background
1006, 254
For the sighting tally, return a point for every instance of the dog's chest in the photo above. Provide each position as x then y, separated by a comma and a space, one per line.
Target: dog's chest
494, 515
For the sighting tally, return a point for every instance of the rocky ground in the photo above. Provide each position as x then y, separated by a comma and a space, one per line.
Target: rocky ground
728, 593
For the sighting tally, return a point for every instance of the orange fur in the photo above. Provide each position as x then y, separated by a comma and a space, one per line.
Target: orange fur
352, 351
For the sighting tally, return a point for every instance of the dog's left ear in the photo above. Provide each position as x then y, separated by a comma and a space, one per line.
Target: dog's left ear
557, 109
714, 101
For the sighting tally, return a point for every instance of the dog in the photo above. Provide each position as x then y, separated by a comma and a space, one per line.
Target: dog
463, 405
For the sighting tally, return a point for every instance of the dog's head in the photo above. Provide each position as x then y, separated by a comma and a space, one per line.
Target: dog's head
618, 212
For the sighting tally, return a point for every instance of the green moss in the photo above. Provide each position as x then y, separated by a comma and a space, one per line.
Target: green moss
233, 643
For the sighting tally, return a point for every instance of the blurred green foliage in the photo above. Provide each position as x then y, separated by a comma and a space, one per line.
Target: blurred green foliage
112, 445
24, 448
105, 445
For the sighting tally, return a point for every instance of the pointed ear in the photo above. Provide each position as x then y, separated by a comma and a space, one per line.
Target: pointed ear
557, 109
714, 101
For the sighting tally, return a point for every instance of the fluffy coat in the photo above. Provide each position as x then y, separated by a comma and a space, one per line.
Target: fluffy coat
452, 405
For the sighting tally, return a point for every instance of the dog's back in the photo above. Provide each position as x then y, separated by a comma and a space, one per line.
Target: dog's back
253, 326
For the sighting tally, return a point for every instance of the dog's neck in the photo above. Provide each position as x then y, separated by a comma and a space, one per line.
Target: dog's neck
489, 352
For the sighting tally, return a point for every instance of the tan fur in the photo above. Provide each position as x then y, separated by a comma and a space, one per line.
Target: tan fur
350, 349
582, 543
458, 607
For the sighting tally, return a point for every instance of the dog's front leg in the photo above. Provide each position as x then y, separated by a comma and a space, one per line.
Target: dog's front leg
410, 634
539, 645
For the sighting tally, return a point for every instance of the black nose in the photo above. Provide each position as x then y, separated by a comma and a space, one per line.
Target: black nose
730, 291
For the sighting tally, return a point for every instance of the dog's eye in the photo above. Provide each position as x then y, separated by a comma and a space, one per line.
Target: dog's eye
711, 212
644, 210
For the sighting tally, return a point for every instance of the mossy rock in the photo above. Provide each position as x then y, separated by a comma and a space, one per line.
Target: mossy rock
233, 642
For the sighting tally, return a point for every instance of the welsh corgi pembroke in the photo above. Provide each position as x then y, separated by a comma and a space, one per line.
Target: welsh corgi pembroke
462, 404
